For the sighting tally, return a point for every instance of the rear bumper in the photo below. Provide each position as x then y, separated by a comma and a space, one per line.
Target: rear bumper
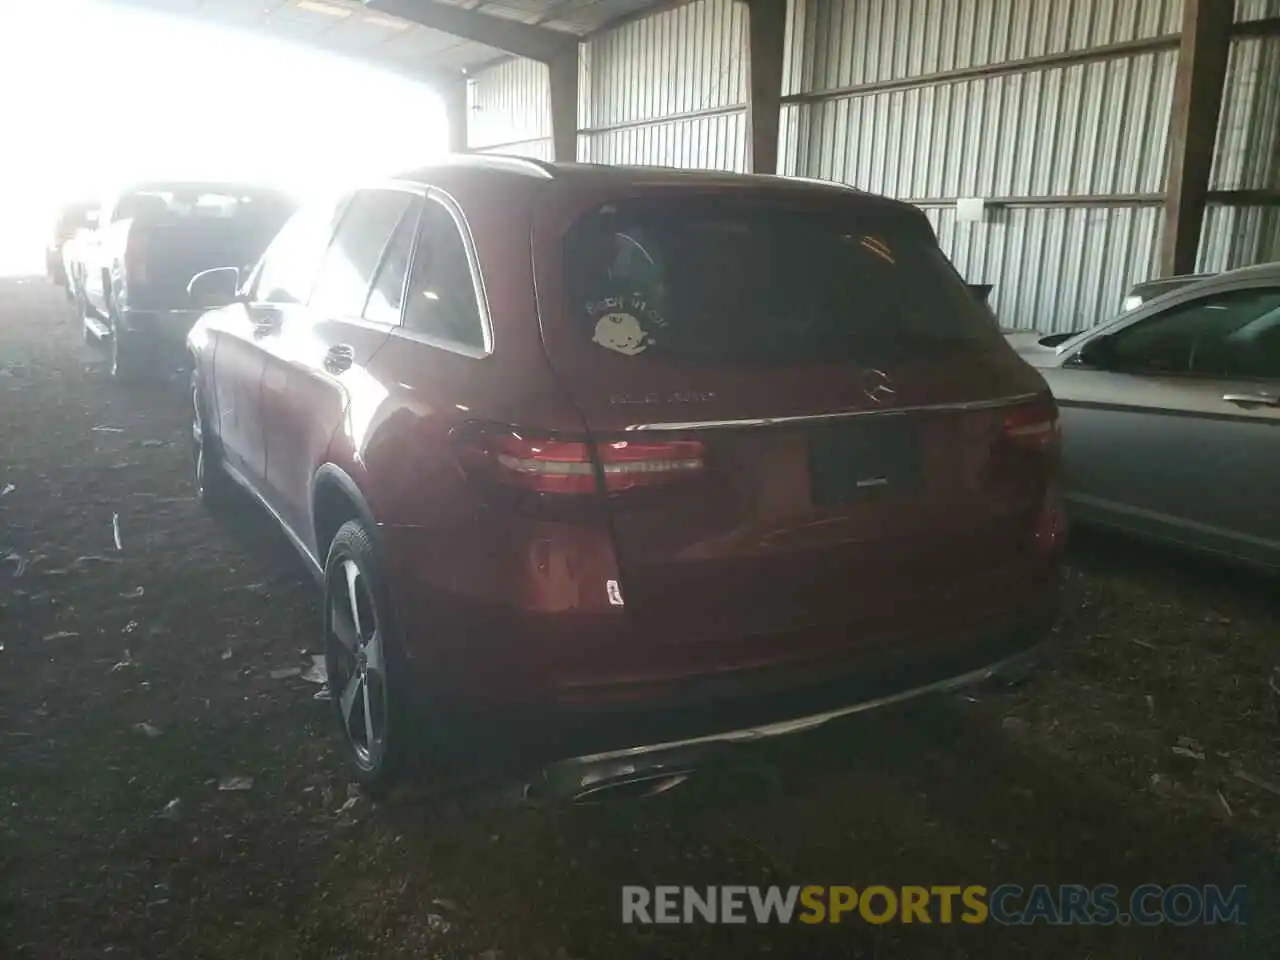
703, 717
670, 761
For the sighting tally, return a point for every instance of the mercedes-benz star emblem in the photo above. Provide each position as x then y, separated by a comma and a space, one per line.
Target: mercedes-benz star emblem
878, 387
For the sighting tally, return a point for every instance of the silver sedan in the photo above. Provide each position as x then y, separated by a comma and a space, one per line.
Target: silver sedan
1171, 416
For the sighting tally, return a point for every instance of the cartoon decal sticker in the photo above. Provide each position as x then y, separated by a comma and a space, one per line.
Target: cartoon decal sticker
621, 332
626, 324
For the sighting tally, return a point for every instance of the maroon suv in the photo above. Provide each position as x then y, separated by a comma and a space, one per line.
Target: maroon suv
667, 457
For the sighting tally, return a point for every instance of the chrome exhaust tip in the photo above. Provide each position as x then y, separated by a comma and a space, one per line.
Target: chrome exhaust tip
632, 788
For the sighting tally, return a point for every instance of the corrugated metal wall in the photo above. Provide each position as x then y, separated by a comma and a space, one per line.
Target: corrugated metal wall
1077, 149
670, 90
1072, 155
509, 110
1247, 155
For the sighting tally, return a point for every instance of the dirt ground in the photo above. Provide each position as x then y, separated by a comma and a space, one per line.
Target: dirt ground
133, 682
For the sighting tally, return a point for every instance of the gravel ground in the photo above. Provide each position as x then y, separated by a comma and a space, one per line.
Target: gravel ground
133, 682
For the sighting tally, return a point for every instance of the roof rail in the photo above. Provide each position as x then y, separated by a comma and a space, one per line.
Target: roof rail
504, 161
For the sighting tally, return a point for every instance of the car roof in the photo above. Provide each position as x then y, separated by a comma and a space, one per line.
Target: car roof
505, 167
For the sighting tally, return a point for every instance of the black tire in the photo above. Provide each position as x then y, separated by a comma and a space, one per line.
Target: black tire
214, 488
368, 673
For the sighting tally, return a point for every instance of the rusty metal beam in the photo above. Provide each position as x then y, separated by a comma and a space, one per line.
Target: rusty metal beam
562, 77
522, 39
1193, 129
767, 30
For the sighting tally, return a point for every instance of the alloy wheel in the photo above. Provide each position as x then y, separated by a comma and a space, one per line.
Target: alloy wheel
357, 665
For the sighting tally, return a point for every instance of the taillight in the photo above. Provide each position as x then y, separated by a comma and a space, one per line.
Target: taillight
135, 257
512, 458
1033, 426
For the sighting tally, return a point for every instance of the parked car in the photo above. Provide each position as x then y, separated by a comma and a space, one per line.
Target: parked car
647, 459
70, 218
73, 263
152, 238
1171, 417
1148, 290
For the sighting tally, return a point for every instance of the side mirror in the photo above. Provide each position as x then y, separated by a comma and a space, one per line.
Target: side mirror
214, 288
1098, 353
91, 218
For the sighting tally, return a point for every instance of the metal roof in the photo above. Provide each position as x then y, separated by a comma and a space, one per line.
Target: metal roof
349, 28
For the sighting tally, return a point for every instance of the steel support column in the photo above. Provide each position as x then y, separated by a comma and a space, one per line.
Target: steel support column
1193, 128
453, 93
767, 29
562, 71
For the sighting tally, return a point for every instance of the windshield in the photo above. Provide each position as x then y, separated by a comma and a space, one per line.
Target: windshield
724, 281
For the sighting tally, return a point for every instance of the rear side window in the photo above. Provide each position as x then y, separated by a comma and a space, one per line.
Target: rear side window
349, 264
387, 295
442, 299
737, 282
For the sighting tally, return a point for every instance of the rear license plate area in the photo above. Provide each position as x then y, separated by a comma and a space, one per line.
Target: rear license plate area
857, 460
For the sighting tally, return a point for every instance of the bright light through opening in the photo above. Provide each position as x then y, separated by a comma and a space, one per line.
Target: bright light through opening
98, 94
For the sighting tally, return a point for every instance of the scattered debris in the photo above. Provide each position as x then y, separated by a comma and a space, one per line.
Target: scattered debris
1151, 703
258, 588
1266, 785
155, 443
233, 784
134, 594
126, 662
105, 429
7, 489
323, 693
60, 635
1144, 643
1161, 785
171, 810
93, 558
1189, 747
1015, 727
19, 561
444, 904
226, 654
1274, 682
131, 626
147, 729
317, 672
283, 673
353, 797
1225, 806
438, 924
115, 530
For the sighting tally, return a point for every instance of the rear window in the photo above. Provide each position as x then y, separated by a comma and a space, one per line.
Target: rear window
175, 204
734, 282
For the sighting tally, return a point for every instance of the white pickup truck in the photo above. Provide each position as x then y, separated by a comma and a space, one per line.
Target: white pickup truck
151, 239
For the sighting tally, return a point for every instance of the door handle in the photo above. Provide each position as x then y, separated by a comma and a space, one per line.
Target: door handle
339, 358
1251, 400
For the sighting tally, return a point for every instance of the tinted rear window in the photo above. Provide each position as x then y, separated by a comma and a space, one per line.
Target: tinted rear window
165, 204
733, 282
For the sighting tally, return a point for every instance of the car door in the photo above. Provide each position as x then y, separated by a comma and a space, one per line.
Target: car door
1171, 426
279, 284
316, 357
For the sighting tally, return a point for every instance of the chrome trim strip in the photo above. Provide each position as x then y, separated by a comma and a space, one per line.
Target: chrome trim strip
800, 724
842, 415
